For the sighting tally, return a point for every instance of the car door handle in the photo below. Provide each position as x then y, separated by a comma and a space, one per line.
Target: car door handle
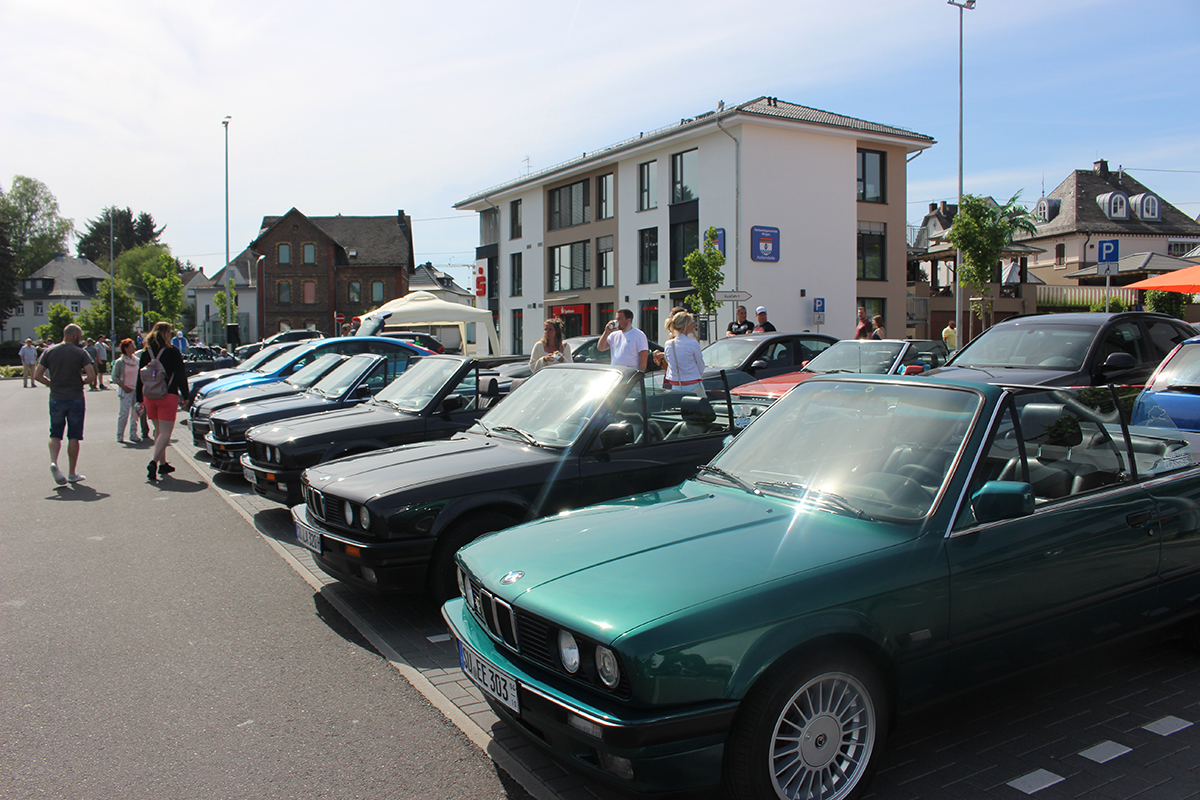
1138, 519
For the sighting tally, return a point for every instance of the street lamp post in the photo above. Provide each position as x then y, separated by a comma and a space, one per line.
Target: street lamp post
962, 6
112, 283
228, 292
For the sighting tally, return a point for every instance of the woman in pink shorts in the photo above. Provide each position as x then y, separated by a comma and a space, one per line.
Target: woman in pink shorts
161, 410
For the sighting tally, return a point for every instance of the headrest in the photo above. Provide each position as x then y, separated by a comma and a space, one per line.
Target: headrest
693, 408
489, 387
1051, 423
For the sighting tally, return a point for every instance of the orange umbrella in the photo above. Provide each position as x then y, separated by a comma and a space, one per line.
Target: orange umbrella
1186, 280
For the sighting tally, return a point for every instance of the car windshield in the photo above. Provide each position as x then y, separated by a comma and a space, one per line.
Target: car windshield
878, 450
307, 376
419, 384
551, 408
874, 358
337, 382
1180, 372
277, 363
262, 356
728, 353
585, 351
1029, 345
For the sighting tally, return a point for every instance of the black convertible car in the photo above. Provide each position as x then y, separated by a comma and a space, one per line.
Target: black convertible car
571, 435
435, 398
357, 379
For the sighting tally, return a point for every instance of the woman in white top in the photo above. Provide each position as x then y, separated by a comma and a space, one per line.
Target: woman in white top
684, 362
551, 349
125, 375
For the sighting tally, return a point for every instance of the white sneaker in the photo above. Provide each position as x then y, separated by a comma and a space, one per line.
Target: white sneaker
59, 478
73, 478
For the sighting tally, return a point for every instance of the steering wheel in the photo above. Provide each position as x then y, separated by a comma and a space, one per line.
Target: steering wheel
920, 473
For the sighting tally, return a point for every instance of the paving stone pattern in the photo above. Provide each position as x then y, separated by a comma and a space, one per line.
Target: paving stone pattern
1113, 724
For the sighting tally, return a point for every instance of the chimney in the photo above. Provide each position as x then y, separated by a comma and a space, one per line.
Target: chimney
1101, 168
932, 207
942, 207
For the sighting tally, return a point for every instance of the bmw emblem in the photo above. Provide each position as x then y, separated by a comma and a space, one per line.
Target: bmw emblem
512, 577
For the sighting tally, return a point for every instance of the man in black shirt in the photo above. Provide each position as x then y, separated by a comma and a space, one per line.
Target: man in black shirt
740, 325
762, 326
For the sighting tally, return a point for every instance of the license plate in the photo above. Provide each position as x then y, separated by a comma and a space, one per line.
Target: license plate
250, 475
309, 538
488, 678
208, 446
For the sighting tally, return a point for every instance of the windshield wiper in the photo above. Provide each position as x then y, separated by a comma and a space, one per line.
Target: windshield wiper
1190, 388
528, 437
835, 501
729, 476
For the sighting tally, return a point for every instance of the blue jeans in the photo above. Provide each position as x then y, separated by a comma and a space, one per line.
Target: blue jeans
68, 414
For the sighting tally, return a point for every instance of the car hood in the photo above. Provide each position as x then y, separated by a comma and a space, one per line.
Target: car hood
247, 394
659, 553
1015, 375
398, 469
238, 381
215, 374
361, 421
245, 415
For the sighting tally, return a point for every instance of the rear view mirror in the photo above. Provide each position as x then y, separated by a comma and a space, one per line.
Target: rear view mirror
452, 402
999, 500
1119, 361
616, 434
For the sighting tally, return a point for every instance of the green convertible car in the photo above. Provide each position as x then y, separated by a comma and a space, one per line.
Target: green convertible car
866, 545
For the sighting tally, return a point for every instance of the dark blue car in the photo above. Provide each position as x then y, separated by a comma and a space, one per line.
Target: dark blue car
1171, 398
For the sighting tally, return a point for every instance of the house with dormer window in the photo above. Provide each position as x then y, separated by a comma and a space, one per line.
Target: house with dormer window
63, 280
1096, 204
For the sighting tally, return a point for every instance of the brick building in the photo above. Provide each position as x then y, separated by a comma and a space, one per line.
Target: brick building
316, 267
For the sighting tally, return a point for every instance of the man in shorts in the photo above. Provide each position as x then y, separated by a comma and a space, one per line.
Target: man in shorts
61, 368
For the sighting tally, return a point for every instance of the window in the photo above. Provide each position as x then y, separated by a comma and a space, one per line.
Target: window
74, 306
870, 176
685, 238
310, 292
1060, 255
515, 274
648, 255
604, 261
607, 198
514, 219
872, 245
684, 168
310, 253
283, 292
648, 315
19, 310
309, 325
604, 312
489, 226
285, 254
570, 267
284, 325
16, 334
1119, 208
354, 292
1180, 248
39, 309
647, 185
376, 291
569, 205
518, 330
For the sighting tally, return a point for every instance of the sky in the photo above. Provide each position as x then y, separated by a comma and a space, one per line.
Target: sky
364, 107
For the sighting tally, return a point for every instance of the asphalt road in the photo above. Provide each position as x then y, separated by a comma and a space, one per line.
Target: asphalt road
153, 645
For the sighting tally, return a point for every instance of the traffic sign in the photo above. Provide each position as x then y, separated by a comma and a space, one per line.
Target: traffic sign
818, 305
1107, 255
733, 297
339, 318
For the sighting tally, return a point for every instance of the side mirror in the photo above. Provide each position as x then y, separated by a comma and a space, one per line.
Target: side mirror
363, 391
999, 500
617, 434
914, 369
758, 363
1118, 361
452, 402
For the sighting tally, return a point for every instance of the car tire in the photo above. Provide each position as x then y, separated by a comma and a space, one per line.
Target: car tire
440, 582
815, 728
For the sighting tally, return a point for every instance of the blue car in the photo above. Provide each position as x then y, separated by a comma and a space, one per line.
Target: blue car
1171, 398
286, 363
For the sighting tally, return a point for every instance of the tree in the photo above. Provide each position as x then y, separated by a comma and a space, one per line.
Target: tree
1173, 303
96, 318
127, 233
60, 317
703, 269
167, 293
219, 301
29, 214
982, 230
10, 285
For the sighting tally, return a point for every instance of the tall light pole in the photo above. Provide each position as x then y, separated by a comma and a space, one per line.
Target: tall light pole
229, 292
112, 282
958, 328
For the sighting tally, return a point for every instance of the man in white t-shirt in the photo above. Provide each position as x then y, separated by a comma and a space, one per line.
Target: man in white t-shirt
629, 345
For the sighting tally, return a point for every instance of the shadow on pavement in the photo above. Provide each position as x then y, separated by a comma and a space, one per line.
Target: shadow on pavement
339, 624
78, 493
276, 523
170, 484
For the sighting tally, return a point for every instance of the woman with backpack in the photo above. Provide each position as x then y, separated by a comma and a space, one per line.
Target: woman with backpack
162, 389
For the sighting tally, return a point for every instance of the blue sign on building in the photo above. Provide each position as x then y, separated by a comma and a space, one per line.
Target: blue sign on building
764, 243
721, 240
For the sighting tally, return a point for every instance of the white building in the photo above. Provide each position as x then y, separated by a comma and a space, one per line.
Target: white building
64, 280
810, 206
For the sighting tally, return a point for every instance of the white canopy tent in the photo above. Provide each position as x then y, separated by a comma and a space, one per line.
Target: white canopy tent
425, 308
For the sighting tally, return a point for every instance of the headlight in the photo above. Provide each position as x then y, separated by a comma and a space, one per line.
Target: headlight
348, 513
273, 454
568, 652
364, 518
462, 581
607, 668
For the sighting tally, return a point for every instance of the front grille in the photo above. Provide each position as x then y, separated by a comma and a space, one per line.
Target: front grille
533, 637
258, 453
323, 507
221, 432
315, 502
